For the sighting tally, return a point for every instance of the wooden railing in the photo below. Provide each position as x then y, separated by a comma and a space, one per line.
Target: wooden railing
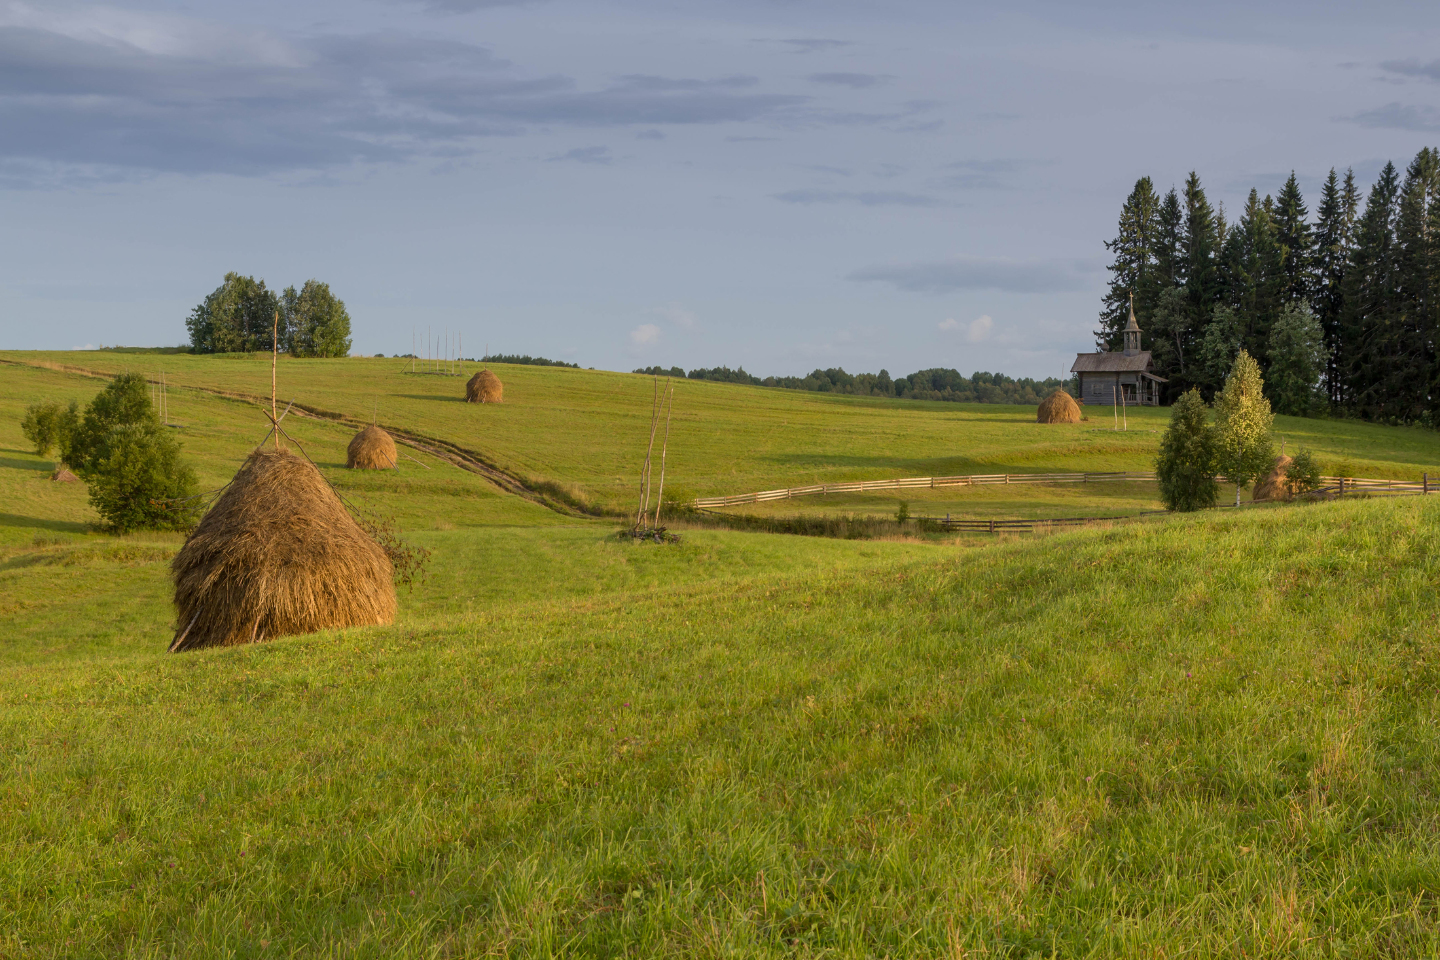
1341, 485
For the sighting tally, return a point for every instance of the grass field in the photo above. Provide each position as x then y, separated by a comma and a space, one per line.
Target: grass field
1205, 736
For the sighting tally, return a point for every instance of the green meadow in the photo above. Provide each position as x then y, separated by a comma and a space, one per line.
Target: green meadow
1211, 735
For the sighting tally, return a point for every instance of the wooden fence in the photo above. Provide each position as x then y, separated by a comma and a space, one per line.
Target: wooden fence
1341, 485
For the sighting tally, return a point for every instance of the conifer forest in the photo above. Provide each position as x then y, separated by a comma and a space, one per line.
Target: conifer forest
1342, 309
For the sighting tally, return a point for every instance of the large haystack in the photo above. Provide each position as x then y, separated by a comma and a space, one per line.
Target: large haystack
484, 387
1274, 485
62, 474
1059, 407
371, 449
277, 554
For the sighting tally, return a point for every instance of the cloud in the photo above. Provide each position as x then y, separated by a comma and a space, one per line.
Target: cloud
983, 174
1413, 68
645, 334
866, 198
678, 315
591, 155
121, 91
855, 81
650, 135
979, 273
1396, 116
815, 44
975, 331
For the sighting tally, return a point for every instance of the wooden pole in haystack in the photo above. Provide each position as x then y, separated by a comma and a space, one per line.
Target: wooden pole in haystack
274, 360
645, 471
664, 449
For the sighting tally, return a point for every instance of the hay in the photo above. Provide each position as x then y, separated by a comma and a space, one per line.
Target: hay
484, 387
1274, 485
371, 449
277, 555
1059, 407
63, 475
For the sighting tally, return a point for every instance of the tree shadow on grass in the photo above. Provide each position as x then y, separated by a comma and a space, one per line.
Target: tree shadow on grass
434, 396
14, 464
35, 523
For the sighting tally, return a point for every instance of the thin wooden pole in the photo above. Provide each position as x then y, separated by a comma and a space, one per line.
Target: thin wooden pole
1124, 412
1114, 403
664, 450
645, 470
274, 360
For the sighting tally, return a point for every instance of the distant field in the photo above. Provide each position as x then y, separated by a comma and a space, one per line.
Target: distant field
1203, 736
588, 428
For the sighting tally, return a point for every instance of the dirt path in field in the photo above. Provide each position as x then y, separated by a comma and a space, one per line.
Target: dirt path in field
462, 457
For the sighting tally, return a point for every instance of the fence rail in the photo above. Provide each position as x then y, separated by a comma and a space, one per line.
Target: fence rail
1342, 485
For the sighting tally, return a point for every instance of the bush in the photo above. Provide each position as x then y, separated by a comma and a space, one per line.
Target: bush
1303, 473
50, 425
903, 512
129, 460
1186, 464
140, 482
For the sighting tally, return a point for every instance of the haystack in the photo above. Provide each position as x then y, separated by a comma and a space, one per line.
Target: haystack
1274, 485
484, 387
63, 475
276, 555
371, 449
1059, 407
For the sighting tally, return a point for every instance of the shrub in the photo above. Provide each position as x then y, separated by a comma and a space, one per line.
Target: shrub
139, 481
50, 425
903, 512
130, 461
1303, 473
1186, 464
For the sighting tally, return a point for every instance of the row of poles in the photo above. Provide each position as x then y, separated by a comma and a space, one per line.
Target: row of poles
160, 396
445, 357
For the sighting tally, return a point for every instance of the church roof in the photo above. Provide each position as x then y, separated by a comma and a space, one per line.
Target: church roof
1111, 363
1132, 326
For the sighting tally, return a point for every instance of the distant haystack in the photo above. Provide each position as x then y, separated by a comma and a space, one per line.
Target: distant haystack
1059, 407
62, 474
371, 449
1274, 485
484, 387
277, 555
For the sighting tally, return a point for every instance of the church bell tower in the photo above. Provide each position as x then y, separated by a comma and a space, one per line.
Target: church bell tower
1132, 331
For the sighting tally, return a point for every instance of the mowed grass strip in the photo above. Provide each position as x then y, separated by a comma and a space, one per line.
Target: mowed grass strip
1211, 736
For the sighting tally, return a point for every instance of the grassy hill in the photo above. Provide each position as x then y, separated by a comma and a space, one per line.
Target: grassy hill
1198, 736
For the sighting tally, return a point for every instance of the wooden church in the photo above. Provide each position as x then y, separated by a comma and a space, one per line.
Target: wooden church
1114, 378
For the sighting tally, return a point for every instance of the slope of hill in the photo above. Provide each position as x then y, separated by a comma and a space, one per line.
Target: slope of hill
1207, 735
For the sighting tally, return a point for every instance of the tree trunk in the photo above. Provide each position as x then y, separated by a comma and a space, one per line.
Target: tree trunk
1237, 494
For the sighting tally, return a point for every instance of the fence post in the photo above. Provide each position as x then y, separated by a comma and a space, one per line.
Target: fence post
1425, 480
1342, 486
992, 526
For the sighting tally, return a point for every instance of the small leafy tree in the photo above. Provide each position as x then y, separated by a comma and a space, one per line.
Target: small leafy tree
1242, 425
50, 425
1186, 464
1297, 358
317, 324
1303, 473
130, 461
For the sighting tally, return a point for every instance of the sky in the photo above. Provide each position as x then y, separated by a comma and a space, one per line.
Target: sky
774, 184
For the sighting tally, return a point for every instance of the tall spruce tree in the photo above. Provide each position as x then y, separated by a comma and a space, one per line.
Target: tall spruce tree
1201, 243
1371, 303
1408, 376
1169, 252
1297, 361
1253, 272
1185, 467
1333, 241
1133, 270
1296, 242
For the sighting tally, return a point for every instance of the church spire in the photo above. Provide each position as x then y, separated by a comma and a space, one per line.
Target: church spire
1132, 331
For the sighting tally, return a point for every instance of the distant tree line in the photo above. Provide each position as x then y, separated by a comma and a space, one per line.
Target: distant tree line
525, 359
1342, 313
934, 384
239, 315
